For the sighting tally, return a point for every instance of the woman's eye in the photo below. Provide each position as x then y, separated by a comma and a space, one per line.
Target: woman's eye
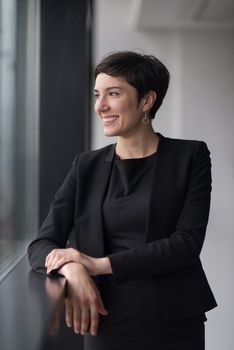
114, 93
96, 96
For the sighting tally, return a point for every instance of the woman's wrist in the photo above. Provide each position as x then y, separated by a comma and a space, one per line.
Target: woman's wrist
103, 266
68, 269
94, 266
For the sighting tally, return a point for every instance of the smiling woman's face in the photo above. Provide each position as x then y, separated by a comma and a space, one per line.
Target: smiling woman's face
117, 106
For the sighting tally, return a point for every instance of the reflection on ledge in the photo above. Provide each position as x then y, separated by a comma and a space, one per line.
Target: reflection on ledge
56, 335
32, 312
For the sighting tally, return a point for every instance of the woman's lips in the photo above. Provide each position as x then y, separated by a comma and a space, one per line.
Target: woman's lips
109, 119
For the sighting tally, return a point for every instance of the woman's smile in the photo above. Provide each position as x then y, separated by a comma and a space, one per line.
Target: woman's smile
117, 105
109, 120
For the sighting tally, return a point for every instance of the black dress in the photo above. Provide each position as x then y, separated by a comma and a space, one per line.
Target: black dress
135, 320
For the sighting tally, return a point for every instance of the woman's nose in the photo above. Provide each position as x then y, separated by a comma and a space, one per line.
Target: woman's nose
101, 104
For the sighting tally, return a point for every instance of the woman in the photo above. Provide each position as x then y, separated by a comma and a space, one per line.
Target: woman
139, 209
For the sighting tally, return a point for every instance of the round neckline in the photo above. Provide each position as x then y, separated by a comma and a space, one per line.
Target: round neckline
136, 159
116, 157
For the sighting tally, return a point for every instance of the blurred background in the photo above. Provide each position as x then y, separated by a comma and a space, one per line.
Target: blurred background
48, 50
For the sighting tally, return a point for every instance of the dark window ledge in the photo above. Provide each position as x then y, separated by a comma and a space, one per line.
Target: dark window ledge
28, 301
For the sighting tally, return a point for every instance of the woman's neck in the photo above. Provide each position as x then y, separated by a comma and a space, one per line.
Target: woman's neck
139, 146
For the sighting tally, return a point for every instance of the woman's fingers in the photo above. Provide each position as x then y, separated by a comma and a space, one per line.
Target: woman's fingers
84, 298
101, 308
52, 263
47, 260
55, 261
94, 320
51, 258
68, 313
56, 264
53, 254
85, 317
58, 257
82, 319
76, 318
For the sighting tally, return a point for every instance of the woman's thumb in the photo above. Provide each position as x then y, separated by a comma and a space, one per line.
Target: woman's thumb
102, 309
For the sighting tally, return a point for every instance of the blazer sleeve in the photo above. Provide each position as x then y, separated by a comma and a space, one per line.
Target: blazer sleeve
182, 247
57, 225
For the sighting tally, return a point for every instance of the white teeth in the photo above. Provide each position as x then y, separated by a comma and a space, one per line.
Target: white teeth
110, 118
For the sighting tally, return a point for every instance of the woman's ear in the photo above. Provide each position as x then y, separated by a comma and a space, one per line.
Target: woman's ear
149, 99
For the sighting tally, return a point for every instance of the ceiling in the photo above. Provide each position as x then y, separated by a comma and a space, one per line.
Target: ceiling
150, 14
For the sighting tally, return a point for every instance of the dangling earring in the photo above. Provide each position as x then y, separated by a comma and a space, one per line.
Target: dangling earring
145, 120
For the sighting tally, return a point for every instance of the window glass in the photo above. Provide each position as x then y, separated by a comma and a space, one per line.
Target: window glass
19, 107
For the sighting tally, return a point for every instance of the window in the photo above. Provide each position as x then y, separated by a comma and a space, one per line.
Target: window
19, 110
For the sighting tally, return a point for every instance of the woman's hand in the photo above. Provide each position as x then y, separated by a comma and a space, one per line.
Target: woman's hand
83, 302
94, 266
58, 257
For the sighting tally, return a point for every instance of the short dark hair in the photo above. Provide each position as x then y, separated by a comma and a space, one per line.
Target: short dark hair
143, 72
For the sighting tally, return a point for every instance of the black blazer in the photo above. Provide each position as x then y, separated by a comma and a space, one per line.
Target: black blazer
175, 230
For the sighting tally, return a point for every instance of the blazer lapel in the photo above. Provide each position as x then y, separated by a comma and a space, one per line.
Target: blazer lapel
93, 184
103, 175
161, 193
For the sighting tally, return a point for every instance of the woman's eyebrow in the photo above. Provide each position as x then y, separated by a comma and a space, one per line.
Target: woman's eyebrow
109, 88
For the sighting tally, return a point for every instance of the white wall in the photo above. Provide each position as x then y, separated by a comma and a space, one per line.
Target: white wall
199, 105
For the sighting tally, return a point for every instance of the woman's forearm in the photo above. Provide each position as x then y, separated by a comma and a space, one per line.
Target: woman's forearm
59, 259
103, 266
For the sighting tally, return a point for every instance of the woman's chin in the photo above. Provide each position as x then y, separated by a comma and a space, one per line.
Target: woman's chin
109, 132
